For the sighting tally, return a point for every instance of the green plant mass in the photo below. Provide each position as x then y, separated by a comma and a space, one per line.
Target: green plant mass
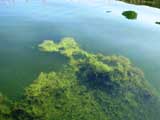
157, 22
152, 3
90, 87
130, 14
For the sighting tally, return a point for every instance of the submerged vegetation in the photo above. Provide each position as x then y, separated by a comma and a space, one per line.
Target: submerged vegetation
5, 110
90, 87
130, 14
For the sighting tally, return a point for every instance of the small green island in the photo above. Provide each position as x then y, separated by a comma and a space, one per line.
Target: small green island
132, 15
90, 87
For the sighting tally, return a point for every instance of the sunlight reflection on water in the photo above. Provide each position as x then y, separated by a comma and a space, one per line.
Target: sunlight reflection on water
93, 2
89, 2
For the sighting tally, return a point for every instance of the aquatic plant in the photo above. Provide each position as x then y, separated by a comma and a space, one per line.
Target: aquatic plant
157, 22
5, 110
115, 84
130, 14
66, 47
90, 87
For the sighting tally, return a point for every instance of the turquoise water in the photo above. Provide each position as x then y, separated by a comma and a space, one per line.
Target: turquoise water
25, 24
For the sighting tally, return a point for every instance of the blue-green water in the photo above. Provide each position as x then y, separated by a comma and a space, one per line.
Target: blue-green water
25, 24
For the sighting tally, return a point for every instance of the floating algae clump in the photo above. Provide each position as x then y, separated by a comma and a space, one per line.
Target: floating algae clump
90, 87
130, 14
48, 46
158, 22
66, 47
114, 84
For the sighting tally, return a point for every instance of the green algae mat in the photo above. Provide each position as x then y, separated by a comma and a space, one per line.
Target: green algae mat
90, 87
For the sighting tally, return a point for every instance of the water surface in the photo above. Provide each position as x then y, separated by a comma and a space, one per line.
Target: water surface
25, 24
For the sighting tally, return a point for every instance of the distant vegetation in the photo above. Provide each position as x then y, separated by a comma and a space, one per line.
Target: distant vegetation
152, 3
90, 87
130, 14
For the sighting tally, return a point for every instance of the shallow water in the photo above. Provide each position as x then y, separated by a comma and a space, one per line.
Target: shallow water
98, 26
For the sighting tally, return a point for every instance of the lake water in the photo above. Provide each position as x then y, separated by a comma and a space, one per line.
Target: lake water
97, 25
